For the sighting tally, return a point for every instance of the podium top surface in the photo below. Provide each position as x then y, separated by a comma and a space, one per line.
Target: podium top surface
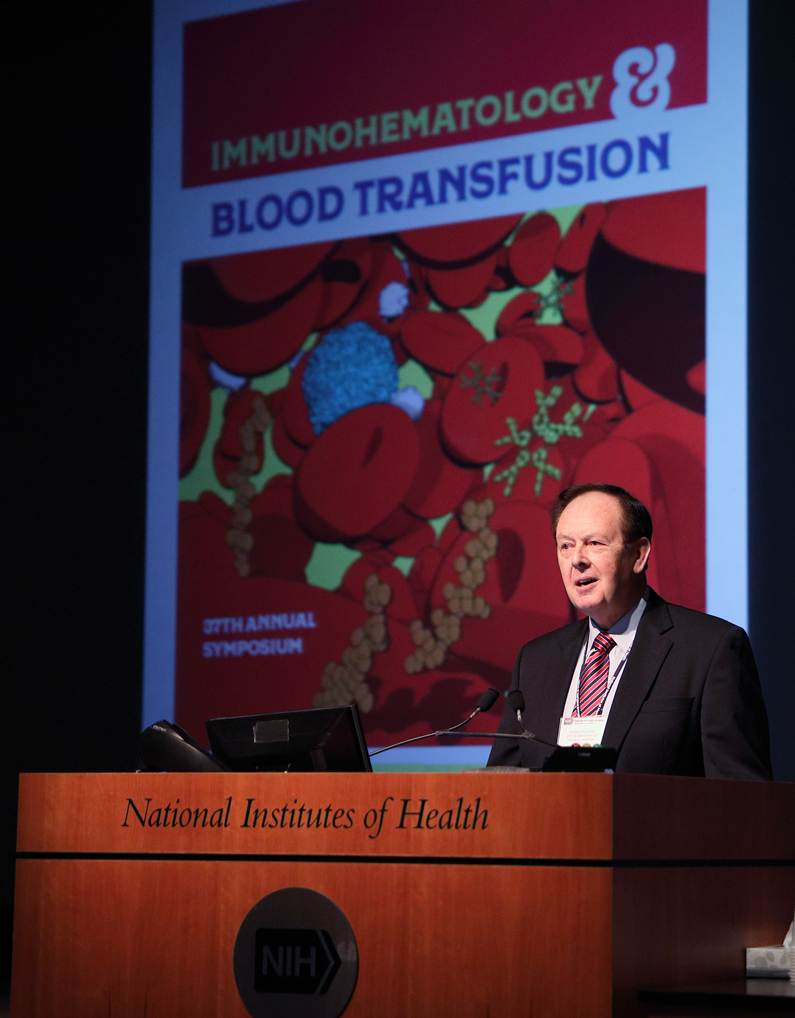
600, 818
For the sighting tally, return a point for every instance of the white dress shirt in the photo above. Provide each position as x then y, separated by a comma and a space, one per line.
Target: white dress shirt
623, 633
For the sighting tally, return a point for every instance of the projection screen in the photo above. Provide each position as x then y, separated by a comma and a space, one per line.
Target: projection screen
415, 268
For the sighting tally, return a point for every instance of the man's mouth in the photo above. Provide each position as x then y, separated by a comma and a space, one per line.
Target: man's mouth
585, 582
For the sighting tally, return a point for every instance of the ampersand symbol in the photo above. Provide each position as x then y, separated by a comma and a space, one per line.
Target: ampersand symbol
641, 77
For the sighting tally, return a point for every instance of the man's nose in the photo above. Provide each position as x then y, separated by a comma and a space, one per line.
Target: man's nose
579, 557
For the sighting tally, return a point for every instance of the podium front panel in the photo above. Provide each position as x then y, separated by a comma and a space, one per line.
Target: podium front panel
468, 894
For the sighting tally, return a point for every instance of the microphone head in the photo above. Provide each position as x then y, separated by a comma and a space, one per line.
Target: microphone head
516, 701
487, 701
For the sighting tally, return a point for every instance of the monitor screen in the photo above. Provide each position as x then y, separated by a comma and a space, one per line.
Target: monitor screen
324, 739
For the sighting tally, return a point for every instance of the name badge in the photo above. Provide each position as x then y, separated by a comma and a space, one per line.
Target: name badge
587, 731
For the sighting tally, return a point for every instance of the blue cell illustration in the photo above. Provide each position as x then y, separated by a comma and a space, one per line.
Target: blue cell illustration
350, 367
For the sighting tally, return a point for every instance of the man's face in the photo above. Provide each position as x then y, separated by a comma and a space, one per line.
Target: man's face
603, 576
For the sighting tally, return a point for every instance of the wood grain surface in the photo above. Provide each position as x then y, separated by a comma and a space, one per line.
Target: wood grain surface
540, 816
469, 894
155, 938
511, 815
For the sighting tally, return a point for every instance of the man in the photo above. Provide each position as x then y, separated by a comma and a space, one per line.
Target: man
673, 690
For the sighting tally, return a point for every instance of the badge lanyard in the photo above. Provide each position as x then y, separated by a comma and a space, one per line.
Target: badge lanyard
588, 730
618, 669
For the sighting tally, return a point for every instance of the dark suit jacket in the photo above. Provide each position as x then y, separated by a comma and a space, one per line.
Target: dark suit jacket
688, 702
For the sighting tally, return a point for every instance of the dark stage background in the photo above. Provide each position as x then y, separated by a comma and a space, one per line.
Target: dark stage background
77, 292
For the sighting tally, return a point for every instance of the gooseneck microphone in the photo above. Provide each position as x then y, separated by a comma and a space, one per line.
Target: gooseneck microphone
485, 703
517, 705
516, 702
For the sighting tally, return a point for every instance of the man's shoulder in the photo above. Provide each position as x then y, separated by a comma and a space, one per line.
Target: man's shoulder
659, 609
555, 637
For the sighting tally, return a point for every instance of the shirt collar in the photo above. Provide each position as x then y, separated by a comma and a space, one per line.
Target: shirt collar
623, 632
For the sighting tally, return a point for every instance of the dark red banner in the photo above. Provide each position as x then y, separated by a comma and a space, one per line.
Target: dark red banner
315, 82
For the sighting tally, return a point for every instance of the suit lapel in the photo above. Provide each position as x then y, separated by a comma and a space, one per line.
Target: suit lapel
554, 679
648, 652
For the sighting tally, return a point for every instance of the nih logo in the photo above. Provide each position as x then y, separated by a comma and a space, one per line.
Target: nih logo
296, 956
294, 961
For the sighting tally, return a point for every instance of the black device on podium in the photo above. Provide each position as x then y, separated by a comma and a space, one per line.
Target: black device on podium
321, 739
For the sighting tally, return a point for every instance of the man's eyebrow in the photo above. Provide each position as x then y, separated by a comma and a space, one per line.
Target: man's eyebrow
586, 537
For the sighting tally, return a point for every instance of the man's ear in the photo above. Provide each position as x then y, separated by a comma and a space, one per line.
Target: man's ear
642, 550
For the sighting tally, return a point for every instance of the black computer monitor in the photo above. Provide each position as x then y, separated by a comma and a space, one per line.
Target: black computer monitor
323, 739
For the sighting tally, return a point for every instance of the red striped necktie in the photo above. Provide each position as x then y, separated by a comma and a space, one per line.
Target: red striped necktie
593, 681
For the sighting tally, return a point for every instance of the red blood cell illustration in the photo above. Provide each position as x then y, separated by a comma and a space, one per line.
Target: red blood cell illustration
572, 302
295, 414
268, 342
697, 378
634, 393
276, 401
465, 287
276, 495
620, 457
558, 346
456, 243
224, 466
424, 703
673, 440
423, 570
572, 254
522, 311
646, 290
397, 525
214, 506
356, 472
667, 229
533, 248
441, 385
496, 383
544, 405
262, 275
387, 271
399, 351
280, 547
190, 339
288, 451
440, 341
345, 274
519, 478
194, 408
422, 536
625, 458
399, 605
502, 278
515, 592
544, 455
353, 582
368, 545
239, 408
596, 378
478, 649
439, 484
523, 573
202, 543
449, 535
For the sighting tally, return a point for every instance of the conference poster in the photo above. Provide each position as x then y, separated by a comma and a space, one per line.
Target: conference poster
428, 271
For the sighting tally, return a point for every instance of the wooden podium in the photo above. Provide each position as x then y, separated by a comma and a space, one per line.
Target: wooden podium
471, 894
